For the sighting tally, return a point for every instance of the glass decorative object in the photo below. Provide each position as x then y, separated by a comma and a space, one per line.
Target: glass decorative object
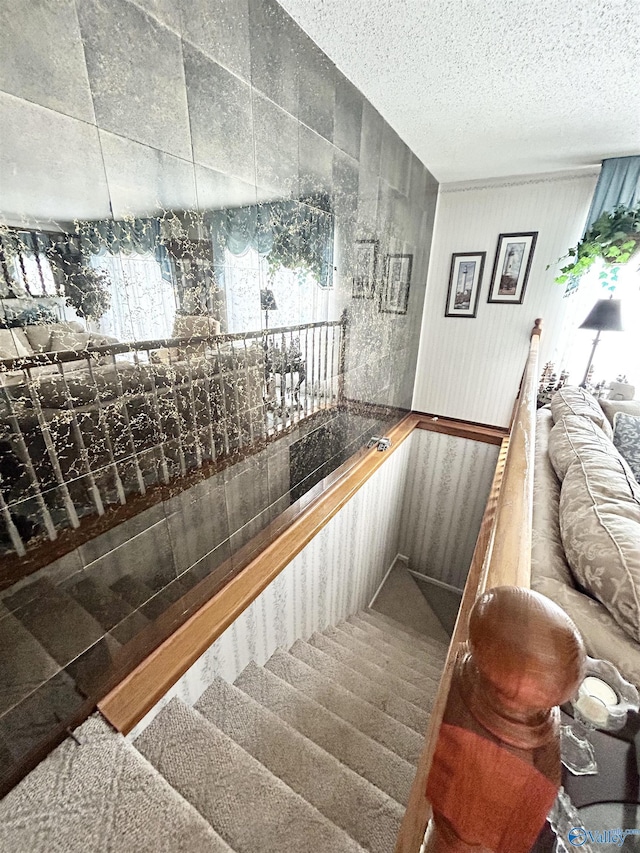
603, 701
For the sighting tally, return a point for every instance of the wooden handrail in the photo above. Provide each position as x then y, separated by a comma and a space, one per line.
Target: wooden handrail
476, 668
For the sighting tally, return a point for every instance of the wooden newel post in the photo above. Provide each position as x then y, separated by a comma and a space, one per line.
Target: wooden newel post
496, 767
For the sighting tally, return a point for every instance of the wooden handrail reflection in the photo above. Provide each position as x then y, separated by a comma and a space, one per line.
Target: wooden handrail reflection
501, 559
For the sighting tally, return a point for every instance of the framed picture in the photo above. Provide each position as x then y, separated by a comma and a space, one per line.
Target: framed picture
394, 298
465, 279
511, 267
366, 264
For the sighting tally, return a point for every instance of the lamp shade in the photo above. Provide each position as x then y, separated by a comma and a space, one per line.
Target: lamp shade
604, 316
267, 300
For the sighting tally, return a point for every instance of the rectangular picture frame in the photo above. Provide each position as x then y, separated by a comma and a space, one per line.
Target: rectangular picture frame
363, 284
394, 298
511, 267
465, 281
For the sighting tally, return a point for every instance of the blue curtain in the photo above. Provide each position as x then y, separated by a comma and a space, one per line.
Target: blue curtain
619, 183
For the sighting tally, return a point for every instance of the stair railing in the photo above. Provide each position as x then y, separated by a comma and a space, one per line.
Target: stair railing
490, 768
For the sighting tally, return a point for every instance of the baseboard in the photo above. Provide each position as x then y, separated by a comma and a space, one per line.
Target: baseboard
398, 557
435, 581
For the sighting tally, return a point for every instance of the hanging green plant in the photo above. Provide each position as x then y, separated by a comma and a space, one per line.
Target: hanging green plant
87, 290
614, 237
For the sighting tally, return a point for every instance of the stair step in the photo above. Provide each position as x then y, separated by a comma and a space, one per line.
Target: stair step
403, 631
370, 816
373, 692
421, 698
101, 795
371, 721
421, 663
389, 663
104, 604
392, 629
367, 758
42, 608
246, 804
408, 645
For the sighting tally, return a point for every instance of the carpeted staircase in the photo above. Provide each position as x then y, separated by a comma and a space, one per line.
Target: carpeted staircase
314, 753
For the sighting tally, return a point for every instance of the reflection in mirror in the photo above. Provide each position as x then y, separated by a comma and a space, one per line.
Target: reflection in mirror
135, 350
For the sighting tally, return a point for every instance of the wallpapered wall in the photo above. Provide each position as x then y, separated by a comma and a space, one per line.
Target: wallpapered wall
446, 490
471, 368
131, 129
336, 575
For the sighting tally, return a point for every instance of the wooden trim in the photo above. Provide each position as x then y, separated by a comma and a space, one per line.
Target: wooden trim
462, 429
128, 703
510, 562
502, 556
418, 812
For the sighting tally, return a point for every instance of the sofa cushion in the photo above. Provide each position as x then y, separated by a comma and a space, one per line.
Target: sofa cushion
547, 554
13, 344
63, 340
626, 438
612, 407
571, 437
600, 527
39, 336
572, 400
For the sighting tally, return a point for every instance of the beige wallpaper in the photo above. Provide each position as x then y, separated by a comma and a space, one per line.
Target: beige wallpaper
447, 486
471, 368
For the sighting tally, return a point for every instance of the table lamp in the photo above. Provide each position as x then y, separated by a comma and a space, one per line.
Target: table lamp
603, 317
267, 303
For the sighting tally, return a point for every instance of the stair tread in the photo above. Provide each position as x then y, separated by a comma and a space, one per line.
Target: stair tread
369, 759
402, 630
421, 698
373, 692
432, 650
250, 807
412, 638
101, 795
393, 664
423, 664
369, 815
372, 721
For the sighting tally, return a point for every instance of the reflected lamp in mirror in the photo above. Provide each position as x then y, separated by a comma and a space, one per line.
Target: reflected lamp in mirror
267, 303
603, 317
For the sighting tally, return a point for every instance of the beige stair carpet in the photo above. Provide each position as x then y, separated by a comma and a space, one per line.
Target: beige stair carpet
252, 809
370, 816
392, 664
401, 599
376, 694
375, 763
420, 663
381, 727
393, 630
100, 795
433, 651
420, 698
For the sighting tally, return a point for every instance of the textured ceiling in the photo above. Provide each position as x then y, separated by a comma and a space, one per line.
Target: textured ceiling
487, 88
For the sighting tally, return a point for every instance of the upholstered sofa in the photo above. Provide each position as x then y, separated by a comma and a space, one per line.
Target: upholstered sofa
586, 522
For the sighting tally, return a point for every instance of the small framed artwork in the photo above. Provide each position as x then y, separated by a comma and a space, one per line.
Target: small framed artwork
511, 267
366, 265
464, 284
394, 298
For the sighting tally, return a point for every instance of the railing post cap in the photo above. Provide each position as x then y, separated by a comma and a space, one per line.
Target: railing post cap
526, 647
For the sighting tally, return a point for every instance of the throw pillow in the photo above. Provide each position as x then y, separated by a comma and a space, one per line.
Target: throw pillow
611, 407
572, 400
626, 437
600, 528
